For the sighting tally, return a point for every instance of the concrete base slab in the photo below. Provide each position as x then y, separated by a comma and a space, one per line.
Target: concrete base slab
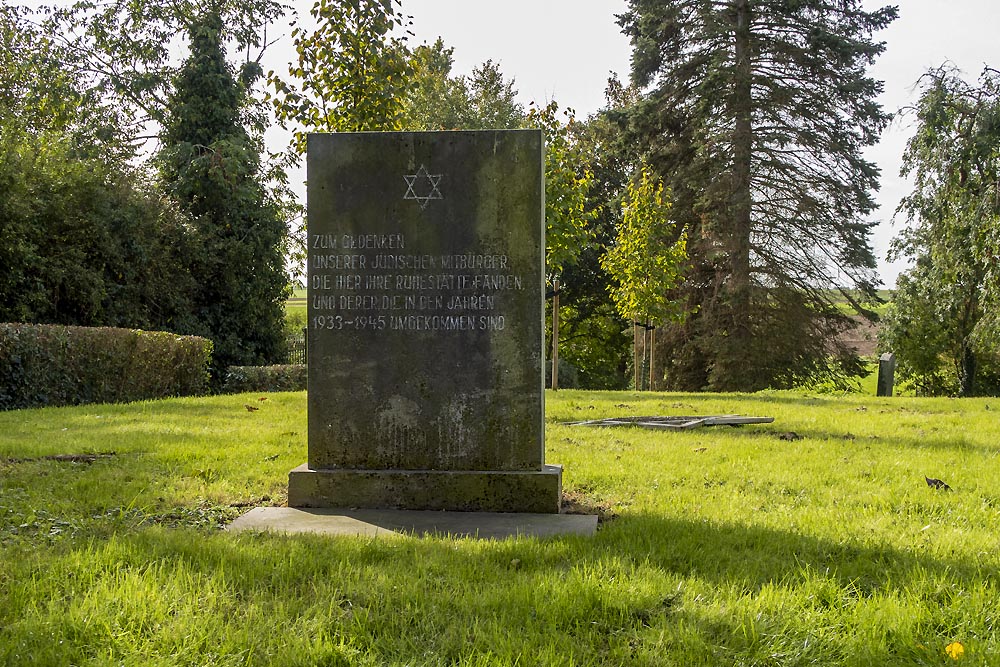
482, 525
528, 491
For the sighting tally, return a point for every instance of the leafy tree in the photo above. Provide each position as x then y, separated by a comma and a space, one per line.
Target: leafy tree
126, 50
92, 246
567, 180
756, 117
492, 99
44, 89
354, 74
83, 240
211, 164
124, 53
646, 260
941, 323
438, 100
648, 255
929, 338
594, 339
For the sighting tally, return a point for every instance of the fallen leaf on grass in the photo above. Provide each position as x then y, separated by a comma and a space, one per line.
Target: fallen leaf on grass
701, 449
252, 503
64, 458
936, 484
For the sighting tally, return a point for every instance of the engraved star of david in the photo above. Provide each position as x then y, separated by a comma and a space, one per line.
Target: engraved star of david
424, 183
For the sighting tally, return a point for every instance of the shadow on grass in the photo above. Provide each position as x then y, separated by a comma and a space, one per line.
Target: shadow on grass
727, 552
792, 434
628, 398
390, 596
930, 441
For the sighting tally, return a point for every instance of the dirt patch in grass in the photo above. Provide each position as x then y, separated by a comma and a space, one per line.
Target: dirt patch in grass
64, 458
577, 502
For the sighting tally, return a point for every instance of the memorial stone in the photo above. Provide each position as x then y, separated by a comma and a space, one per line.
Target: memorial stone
425, 263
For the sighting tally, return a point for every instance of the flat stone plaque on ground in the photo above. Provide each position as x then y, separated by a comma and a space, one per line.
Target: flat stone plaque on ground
425, 323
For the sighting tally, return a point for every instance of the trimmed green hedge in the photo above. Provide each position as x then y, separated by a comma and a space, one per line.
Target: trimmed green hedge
57, 365
288, 377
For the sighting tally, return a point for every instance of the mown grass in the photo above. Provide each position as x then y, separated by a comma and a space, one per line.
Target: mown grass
810, 541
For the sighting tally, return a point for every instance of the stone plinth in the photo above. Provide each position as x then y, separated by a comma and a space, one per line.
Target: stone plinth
457, 490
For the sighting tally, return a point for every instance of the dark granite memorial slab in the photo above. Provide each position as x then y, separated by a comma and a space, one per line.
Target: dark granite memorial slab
425, 323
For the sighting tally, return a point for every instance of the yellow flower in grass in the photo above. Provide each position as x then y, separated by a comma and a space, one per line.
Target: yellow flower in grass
955, 650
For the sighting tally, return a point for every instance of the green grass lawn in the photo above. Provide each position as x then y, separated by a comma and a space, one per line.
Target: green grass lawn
810, 541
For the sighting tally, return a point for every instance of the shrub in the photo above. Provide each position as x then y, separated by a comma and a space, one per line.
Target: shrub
569, 376
58, 365
287, 377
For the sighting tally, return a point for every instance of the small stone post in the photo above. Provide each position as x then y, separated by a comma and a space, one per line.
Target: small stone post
886, 373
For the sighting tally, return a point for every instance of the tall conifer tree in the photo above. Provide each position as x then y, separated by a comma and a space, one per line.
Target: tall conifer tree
212, 166
756, 116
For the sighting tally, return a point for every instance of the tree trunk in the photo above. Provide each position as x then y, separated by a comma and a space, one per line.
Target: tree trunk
652, 351
555, 334
967, 373
969, 366
636, 365
738, 285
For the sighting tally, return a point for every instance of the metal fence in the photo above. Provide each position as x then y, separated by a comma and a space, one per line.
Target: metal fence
296, 347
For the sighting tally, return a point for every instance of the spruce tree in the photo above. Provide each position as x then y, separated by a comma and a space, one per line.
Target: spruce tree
211, 164
756, 116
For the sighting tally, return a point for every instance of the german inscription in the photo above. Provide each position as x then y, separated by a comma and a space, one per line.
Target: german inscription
367, 286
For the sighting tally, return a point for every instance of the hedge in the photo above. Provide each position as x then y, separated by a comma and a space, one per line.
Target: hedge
287, 377
59, 365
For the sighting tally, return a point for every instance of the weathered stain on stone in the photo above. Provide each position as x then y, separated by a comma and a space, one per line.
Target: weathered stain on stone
399, 429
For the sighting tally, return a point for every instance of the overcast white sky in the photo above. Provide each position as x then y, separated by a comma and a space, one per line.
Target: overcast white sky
564, 50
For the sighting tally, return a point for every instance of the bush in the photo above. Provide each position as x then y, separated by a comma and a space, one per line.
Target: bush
569, 376
57, 365
288, 377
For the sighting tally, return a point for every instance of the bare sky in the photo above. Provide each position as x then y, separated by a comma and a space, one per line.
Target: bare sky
564, 50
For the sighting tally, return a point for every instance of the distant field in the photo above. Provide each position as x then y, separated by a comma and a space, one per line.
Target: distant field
296, 307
